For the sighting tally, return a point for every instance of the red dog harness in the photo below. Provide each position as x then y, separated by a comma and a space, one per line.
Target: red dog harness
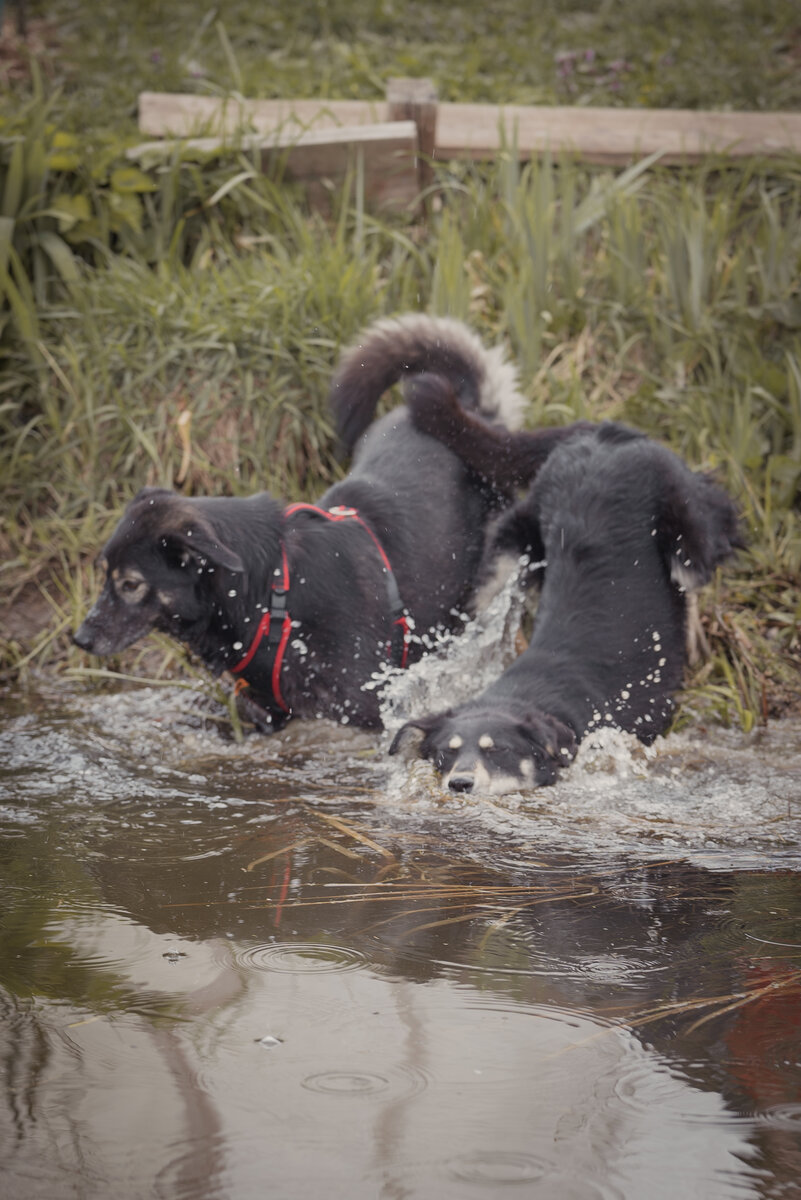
276, 623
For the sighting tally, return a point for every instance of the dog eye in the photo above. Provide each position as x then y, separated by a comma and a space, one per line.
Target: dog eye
131, 590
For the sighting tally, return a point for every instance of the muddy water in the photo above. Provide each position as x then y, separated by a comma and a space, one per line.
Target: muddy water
289, 968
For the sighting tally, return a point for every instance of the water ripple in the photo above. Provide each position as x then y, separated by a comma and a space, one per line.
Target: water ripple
497, 1166
646, 1087
783, 1116
401, 1082
301, 958
491, 1172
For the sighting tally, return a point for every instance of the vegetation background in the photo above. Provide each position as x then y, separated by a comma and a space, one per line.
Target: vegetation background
134, 298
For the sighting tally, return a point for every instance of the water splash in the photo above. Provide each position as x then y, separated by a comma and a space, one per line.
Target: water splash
720, 796
458, 667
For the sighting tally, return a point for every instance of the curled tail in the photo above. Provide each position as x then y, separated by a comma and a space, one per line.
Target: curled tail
412, 344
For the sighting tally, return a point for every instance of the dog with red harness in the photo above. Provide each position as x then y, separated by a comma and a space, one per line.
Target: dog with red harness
305, 603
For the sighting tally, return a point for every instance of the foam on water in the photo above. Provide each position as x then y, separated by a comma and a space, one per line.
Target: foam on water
723, 798
719, 796
161, 744
710, 792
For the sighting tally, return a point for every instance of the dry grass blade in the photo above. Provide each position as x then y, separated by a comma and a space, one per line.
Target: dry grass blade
719, 1004
476, 908
339, 849
276, 853
753, 994
351, 832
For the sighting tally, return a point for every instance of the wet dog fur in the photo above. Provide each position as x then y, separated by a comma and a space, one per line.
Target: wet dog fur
201, 568
616, 528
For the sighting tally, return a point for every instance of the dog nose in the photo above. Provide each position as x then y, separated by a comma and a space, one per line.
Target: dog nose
461, 783
83, 638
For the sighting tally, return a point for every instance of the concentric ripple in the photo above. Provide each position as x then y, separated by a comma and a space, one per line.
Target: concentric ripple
346, 1083
400, 1082
646, 1088
784, 1116
301, 958
496, 1166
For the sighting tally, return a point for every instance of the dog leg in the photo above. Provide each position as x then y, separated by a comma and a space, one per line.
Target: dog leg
253, 712
517, 533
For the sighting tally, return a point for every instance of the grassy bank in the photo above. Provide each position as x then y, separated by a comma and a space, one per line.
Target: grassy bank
740, 54
206, 295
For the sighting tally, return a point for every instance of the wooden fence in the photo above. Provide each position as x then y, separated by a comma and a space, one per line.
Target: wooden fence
393, 142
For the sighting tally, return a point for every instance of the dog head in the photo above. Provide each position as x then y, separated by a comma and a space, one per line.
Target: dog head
157, 562
483, 750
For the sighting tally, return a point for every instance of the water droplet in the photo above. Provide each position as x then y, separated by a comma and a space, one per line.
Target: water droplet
268, 1042
173, 956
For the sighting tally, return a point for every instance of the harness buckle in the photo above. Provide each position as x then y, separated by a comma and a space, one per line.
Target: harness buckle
278, 614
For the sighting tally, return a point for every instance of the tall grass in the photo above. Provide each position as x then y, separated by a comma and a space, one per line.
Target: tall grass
177, 322
660, 298
666, 53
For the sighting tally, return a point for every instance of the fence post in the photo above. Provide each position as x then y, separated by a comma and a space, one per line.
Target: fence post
416, 100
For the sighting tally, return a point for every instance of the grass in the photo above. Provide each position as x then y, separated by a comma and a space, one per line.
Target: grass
741, 54
185, 319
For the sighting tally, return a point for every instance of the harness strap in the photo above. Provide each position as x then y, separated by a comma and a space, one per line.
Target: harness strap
276, 622
399, 652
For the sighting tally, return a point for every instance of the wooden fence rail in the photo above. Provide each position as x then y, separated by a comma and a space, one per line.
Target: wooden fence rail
611, 136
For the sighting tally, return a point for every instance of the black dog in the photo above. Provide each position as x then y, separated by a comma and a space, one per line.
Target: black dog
304, 603
620, 527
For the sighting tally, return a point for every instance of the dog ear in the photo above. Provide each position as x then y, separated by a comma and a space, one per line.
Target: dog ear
413, 730
697, 525
550, 735
163, 514
201, 541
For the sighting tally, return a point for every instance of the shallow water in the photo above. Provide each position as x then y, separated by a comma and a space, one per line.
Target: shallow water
293, 967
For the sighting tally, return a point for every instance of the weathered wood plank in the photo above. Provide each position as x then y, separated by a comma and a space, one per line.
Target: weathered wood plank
613, 135
384, 156
605, 135
164, 114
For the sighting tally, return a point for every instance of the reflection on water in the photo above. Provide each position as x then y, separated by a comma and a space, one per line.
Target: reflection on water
287, 968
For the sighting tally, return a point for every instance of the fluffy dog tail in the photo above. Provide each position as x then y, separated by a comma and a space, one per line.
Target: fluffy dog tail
385, 352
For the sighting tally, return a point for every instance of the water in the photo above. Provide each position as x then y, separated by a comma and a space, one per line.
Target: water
293, 967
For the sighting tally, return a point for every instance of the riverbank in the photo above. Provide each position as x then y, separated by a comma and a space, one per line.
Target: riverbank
183, 322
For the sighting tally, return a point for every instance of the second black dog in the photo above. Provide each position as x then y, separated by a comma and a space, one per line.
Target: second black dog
619, 528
